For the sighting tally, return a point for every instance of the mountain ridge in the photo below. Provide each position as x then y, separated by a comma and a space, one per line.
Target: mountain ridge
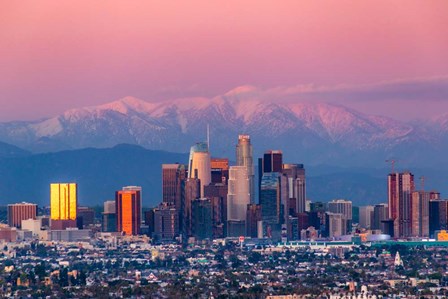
317, 132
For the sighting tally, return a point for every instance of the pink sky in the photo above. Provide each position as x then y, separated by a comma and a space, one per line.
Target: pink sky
56, 55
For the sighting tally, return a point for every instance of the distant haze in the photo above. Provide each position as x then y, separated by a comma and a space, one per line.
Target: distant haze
379, 57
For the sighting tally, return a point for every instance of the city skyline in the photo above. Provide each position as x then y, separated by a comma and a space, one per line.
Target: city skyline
224, 149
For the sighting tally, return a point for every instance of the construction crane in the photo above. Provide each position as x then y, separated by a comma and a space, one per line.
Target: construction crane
392, 164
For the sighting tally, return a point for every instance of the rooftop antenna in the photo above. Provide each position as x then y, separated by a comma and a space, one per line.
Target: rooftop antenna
208, 137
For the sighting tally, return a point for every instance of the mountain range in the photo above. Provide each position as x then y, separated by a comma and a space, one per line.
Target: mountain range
125, 142
316, 133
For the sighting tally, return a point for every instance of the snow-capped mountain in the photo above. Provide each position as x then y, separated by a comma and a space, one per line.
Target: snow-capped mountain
316, 132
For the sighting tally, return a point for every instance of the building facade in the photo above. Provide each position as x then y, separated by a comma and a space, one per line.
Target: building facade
128, 211
244, 157
199, 165
173, 176
21, 211
63, 205
400, 187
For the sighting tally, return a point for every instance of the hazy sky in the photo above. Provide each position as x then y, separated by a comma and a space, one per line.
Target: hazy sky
371, 55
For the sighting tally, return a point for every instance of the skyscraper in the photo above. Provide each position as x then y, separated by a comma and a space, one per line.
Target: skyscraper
238, 198
297, 185
201, 218
63, 205
272, 161
128, 209
273, 197
341, 206
85, 217
253, 219
380, 213
420, 214
199, 165
366, 216
109, 217
191, 190
136, 188
335, 225
172, 179
438, 215
217, 193
344, 207
166, 222
244, 157
400, 187
220, 170
21, 211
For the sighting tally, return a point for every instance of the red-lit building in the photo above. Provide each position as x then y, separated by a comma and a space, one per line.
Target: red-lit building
21, 211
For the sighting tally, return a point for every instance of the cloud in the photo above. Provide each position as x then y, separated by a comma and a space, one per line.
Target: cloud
416, 89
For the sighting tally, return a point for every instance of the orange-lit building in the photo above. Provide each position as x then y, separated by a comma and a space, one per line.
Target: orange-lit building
127, 204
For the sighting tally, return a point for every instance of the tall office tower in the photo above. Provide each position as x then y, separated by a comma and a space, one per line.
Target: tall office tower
172, 177
63, 205
21, 211
272, 161
86, 217
400, 187
273, 201
297, 186
355, 214
438, 215
128, 209
336, 225
201, 218
220, 170
317, 214
136, 188
344, 207
366, 216
238, 198
380, 213
149, 221
166, 222
217, 193
253, 220
190, 191
303, 222
341, 206
109, 217
199, 165
420, 214
244, 157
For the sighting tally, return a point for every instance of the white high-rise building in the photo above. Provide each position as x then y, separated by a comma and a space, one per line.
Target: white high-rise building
341, 206
238, 196
199, 165
244, 157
